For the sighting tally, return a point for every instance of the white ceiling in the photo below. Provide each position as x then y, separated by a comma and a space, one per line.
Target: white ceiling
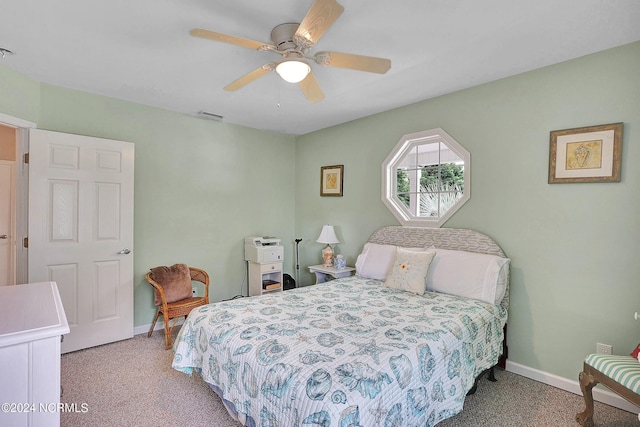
141, 50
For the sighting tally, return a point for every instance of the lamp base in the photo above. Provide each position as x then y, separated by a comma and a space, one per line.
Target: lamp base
327, 256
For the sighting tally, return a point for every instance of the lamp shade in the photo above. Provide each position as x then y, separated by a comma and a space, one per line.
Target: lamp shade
293, 71
328, 235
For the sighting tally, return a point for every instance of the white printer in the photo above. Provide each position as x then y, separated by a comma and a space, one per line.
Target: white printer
263, 250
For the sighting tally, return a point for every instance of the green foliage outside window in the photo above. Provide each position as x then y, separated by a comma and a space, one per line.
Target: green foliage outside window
451, 175
435, 196
403, 186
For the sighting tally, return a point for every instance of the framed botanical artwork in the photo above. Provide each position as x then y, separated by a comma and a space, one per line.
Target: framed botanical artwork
331, 180
588, 154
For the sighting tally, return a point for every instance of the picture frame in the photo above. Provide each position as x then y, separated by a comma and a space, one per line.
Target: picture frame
586, 154
331, 180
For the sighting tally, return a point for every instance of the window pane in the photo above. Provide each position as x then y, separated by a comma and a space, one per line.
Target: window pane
405, 198
429, 205
430, 180
449, 156
448, 199
402, 186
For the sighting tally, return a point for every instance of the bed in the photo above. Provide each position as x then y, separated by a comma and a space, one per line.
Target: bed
359, 351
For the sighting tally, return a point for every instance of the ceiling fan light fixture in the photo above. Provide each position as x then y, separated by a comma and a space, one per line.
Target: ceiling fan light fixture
293, 70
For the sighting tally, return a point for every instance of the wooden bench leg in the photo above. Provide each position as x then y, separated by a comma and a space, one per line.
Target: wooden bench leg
587, 382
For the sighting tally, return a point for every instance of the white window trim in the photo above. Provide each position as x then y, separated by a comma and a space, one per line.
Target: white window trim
389, 176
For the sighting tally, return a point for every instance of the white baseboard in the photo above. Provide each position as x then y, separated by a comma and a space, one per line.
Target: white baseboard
599, 394
144, 329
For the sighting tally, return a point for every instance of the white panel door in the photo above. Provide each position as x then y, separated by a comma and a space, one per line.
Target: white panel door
81, 231
7, 223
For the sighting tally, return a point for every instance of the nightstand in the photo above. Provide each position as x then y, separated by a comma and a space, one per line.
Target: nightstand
266, 277
325, 274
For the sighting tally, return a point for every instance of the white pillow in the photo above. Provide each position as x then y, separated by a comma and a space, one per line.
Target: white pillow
409, 270
375, 261
468, 274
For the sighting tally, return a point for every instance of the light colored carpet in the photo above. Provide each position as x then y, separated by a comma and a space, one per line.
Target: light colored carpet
131, 383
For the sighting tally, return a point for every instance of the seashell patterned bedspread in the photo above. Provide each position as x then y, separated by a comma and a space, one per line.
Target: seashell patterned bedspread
345, 352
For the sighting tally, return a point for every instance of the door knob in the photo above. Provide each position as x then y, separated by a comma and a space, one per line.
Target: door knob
4, 236
125, 251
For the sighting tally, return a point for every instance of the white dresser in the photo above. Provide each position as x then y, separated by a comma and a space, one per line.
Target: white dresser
32, 321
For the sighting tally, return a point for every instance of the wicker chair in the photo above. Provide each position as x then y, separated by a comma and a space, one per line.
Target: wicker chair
177, 309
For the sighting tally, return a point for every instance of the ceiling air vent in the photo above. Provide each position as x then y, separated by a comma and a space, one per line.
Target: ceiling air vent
211, 116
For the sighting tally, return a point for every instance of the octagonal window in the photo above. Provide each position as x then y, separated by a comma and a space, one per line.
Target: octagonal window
426, 178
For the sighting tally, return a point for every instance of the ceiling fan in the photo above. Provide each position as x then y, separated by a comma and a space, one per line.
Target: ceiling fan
293, 41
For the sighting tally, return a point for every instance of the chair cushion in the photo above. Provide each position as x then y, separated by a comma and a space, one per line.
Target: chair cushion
625, 370
175, 282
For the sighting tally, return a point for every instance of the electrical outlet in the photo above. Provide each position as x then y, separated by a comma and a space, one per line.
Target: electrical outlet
604, 349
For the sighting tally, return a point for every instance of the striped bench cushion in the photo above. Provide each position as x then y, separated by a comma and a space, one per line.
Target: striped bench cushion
625, 370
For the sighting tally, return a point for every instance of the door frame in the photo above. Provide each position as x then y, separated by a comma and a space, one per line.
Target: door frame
22, 193
12, 221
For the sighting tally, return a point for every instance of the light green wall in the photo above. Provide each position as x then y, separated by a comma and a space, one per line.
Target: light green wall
574, 274
201, 188
19, 95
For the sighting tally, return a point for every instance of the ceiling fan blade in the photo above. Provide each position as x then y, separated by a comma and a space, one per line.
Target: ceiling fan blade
249, 77
225, 38
318, 19
354, 62
311, 88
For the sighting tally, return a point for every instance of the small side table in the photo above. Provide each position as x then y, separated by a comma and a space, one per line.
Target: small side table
325, 274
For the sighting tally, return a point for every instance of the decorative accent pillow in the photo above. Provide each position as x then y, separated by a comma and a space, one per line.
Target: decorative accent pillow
636, 353
375, 260
175, 282
468, 274
409, 270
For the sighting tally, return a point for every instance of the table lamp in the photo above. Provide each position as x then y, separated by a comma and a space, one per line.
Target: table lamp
327, 236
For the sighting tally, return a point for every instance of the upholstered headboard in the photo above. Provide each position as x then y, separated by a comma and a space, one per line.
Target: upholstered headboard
459, 239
